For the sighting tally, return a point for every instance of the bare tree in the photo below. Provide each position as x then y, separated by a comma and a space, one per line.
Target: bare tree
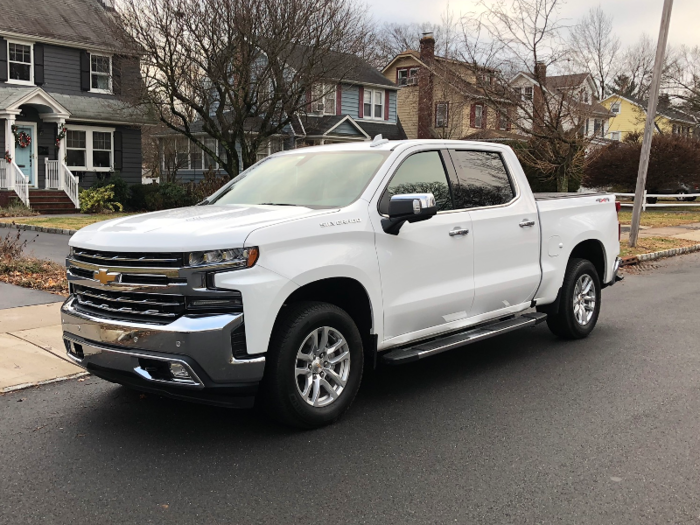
240, 70
510, 46
683, 77
636, 66
595, 47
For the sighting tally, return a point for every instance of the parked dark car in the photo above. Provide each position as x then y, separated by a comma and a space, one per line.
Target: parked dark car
675, 189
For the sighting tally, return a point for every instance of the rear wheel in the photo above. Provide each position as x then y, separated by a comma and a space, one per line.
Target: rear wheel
652, 200
682, 192
579, 304
314, 365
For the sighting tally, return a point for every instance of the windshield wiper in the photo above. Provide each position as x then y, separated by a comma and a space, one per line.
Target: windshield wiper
276, 204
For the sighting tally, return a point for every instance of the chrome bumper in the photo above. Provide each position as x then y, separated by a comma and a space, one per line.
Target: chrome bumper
201, 345
616, 268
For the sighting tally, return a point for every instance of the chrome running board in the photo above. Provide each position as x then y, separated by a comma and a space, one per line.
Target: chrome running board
473, 335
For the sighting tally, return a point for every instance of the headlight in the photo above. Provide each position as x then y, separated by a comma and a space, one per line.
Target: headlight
232, 258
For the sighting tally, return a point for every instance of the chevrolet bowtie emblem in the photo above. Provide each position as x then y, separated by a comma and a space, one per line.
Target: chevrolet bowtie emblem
106, 277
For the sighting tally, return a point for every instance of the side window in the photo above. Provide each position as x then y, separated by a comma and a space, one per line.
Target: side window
483, 179
420, 173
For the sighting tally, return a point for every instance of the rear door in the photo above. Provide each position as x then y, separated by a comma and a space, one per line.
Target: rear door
505, 230
427, 269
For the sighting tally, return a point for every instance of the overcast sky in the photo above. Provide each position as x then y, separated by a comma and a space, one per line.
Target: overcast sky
632, 17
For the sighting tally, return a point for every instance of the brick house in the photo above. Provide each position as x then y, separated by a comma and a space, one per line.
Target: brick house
439, 97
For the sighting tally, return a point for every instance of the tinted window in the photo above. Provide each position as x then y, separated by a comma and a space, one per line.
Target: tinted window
483, 179
420, 173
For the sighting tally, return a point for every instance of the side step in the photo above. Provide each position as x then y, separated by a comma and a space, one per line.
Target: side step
473, 335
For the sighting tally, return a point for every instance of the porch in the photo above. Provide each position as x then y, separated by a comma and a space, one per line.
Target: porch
59, 195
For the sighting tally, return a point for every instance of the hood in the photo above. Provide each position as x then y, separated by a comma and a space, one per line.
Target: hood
186, 229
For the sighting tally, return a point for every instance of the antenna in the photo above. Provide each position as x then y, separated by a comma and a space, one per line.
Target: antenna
378, 141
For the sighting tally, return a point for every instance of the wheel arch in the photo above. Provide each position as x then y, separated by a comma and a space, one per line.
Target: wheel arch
594, 251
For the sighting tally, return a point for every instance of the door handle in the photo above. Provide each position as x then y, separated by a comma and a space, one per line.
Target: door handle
458, 231
526, 222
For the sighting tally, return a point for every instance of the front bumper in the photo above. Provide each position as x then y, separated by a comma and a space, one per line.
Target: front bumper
140, 355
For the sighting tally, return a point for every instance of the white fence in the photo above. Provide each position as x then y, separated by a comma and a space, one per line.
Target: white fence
657, 204
53, 174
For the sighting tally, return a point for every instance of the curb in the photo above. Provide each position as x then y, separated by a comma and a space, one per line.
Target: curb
636, 259
30, 227
24, 386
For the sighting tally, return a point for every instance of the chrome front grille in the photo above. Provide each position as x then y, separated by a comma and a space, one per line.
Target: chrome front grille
142, 307
132, 260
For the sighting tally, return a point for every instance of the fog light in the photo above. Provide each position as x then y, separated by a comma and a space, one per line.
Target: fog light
178, 371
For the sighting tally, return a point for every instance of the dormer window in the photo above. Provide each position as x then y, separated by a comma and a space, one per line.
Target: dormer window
100, 73
20, 63
584, 96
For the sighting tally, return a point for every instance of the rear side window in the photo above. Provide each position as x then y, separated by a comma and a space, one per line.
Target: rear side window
482, 179
420, 173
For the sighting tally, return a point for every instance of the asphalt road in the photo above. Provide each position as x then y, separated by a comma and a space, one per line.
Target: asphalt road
51, 246
522, 429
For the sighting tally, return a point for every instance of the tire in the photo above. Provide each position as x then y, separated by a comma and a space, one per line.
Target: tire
303, 399
571, 323
690, 199
652, 200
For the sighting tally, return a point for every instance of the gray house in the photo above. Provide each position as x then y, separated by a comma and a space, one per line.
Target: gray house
360, 107
63, 121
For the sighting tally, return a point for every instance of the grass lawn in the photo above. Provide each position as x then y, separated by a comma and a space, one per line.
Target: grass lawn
69, 223
656, 218
653, 244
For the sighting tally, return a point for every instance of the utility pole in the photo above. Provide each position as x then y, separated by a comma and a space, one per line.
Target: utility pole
649, 127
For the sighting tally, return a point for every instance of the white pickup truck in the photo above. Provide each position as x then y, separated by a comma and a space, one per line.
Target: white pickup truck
316, 263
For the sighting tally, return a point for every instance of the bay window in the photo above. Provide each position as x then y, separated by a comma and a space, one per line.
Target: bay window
373, 104
21, 70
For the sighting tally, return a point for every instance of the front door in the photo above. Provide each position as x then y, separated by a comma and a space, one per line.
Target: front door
427, 269
24, 151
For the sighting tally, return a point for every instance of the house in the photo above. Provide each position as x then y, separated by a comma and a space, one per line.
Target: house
439, 97
576, 90
361, 106
64, 122
629, 116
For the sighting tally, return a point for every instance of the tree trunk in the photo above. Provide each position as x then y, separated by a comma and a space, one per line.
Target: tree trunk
562, 182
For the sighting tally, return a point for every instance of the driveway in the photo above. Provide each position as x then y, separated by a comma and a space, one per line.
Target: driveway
515, 430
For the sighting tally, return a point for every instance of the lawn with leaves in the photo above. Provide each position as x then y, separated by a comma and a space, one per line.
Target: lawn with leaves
74, 222
658, 218
653, 244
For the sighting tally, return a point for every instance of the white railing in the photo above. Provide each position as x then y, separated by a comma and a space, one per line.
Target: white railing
70, 185
20, 183
53, 175
4, 182
646, 205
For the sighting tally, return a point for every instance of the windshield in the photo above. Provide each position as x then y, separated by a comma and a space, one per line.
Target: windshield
308, 178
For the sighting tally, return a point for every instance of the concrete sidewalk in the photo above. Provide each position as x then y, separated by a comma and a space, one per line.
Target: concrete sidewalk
688, 232
31, 347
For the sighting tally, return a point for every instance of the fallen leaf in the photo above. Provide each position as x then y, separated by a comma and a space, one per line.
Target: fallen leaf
165, 505
81, 380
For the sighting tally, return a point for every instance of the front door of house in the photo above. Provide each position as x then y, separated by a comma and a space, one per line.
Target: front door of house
24, 151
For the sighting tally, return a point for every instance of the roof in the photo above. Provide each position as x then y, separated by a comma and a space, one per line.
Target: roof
566, 81
669, 112
85, 22
495, 135
336, 65
101, 109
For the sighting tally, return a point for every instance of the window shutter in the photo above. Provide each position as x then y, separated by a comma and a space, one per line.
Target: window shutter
472, 116
386, 105
38, 64
362, 102
3, 60
117, 75
118, 151
84, 71
338, 99
308, 100
484, 117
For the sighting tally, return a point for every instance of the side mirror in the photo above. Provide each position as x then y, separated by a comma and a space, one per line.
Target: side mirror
411, 207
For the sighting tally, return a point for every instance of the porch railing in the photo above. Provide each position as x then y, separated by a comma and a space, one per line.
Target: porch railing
12, 178
4, 182
70, 185
53, 174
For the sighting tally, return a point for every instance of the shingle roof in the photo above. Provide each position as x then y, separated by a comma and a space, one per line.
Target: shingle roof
388, 131
71, 21
566, 81
667, 111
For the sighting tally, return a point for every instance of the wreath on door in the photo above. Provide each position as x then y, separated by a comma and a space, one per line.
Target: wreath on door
21, 138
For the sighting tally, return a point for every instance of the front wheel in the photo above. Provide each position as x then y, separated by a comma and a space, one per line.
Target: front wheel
314, 365
579, 304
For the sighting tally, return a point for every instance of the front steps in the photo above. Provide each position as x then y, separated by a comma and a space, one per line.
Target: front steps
45, 202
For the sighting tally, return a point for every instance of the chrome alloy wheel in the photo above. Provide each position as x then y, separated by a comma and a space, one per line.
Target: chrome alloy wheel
322, 366
584, 299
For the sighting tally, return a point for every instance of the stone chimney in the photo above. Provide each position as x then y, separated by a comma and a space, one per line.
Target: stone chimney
425, 86
541, 71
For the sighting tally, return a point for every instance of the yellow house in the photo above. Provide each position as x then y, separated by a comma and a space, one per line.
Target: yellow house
630, 116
